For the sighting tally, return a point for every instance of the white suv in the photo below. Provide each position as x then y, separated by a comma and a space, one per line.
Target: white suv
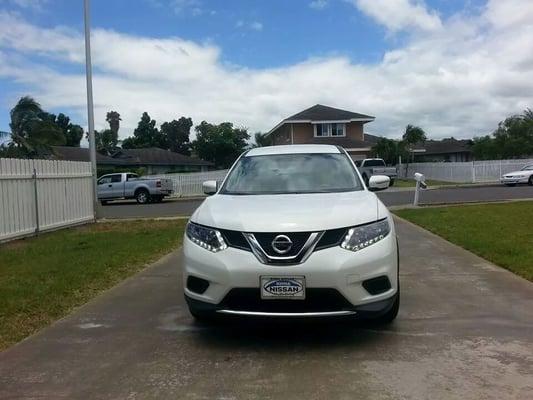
292, 232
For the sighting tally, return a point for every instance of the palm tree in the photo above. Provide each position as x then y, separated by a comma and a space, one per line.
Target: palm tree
261, 140
23, 116
113, 118
413, 135
32, 133
528, 114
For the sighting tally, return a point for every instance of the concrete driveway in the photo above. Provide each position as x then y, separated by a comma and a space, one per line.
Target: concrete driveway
465, 331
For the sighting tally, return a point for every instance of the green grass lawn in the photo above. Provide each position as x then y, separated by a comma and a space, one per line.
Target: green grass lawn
412, 183
44, 278
501, 233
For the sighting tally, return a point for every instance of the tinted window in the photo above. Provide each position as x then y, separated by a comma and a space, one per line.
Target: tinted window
116, 178
292, 173
528, 168
374, 163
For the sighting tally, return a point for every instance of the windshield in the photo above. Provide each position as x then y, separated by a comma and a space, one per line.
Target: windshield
528, 168
292, 173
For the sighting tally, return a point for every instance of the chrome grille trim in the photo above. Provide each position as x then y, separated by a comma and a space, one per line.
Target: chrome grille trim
299, 258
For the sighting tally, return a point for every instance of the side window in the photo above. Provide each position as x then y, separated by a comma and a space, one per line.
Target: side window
131, 177
116, 178
104, 180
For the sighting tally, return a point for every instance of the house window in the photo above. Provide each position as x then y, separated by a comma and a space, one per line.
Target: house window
321, 130
325, 130
337, 130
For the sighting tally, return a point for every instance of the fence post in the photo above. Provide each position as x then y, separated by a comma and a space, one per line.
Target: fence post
473, 172
36, 201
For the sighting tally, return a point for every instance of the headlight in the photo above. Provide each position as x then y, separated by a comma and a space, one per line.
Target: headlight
208, 238
363, 236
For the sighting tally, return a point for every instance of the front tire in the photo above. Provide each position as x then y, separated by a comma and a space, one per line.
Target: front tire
103, 202
142, 196
391, 183
530, 181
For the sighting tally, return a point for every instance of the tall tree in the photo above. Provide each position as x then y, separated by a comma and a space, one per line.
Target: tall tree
23, 117
528, 114
113, 119
220, 144
413, 135
105, 141
145, 135
73, 133
33, 130
390, 150
261, 140
176, 135
512, 139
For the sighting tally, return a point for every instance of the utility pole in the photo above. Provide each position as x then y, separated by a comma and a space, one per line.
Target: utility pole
90, 106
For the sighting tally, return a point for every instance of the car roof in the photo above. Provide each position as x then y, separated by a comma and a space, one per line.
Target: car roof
294, 149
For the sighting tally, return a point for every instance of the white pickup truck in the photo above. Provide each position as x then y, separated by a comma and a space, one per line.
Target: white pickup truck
376, 166
129, 186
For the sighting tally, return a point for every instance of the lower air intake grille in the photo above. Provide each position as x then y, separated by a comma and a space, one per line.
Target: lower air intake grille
377, 285
316, 300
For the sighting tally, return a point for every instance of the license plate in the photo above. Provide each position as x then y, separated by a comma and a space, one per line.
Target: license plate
285, 287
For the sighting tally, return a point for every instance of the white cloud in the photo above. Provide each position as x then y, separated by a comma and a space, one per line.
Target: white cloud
256, 26
460, 80
398, 15
253, 25
193, 7
35, 5
318, 4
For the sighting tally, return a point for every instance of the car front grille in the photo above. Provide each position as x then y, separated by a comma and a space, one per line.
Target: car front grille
330, 238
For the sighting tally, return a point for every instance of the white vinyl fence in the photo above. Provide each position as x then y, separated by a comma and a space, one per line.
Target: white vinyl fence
190, 184
463, 172
39, 195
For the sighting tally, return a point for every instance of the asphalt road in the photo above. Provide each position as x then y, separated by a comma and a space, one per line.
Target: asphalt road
170, 208
464, 332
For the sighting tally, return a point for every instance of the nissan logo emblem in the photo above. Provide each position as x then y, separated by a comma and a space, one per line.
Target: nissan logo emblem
282, 244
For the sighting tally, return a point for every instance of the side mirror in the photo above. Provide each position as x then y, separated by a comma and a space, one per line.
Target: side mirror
378, 182
210, 187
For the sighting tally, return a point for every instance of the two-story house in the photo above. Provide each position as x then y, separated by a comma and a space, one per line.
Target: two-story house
326, 125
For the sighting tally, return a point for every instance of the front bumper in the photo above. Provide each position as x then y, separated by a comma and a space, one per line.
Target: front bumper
334, 280
513, 181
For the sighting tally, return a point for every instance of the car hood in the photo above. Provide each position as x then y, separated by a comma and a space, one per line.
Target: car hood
289, 213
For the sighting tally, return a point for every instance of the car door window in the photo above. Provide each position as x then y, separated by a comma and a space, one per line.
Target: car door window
116, 178
104, 180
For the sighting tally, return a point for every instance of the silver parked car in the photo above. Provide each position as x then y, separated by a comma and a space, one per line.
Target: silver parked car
525, 175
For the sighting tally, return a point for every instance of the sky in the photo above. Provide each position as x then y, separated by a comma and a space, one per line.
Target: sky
455, 68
